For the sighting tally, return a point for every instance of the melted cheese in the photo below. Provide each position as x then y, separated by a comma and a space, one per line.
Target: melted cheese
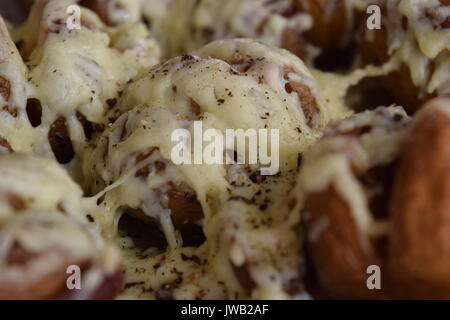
27, 177
185, 25
259, 234
41, 210
423, 42
69, 71
332, 161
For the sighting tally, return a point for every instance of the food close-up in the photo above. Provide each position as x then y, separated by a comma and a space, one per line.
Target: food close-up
224, 149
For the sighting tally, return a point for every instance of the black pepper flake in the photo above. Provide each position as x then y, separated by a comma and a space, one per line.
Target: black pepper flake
111, 102
257, 178
133, 284
220, 101
263, 207
178, 280
193, 258
398, 117
16, 202
186, 56
240, 198
90, 218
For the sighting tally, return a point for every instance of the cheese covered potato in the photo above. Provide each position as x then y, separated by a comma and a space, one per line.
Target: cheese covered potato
58, 95
43, 232
231, 75
343, 182
186, 25
375, 192
415, 41
229, 218
308, 28
226, 170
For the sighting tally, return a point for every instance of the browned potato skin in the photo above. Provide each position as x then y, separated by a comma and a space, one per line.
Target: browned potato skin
420, 210
293, 41
51, 284
243, 276
398, 83
185, 210
43, 287
338, 255
5, 144
59, 139
325, 33
415, 256
309, 103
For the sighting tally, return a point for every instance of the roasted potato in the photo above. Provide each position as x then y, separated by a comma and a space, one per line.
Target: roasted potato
383, 200
334, 22
418, 72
